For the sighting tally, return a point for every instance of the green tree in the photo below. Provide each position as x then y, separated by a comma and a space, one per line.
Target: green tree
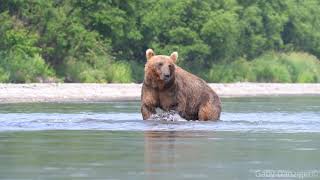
105, 41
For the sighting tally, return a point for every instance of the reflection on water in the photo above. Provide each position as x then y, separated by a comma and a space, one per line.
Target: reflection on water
111, 141
154, 154
157, 153
227, 155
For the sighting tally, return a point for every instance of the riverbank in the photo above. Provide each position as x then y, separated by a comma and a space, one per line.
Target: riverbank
52, 92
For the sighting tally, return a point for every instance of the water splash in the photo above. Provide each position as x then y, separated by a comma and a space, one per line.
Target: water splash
166, 116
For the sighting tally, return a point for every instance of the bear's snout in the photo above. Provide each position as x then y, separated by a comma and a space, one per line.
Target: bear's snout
166, 73
165, 76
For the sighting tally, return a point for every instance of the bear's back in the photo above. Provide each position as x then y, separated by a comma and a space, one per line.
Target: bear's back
193, 91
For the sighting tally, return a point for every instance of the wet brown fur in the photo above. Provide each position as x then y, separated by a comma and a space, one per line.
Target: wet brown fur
184, 92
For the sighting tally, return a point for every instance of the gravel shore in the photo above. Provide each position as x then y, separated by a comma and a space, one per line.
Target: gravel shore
63, 92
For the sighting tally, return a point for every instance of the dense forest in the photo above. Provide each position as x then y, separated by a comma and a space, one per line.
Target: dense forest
105, 41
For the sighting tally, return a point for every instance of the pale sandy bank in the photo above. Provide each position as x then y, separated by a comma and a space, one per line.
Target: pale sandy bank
14, 93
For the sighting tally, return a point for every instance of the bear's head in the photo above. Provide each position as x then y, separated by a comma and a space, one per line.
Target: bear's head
160, 69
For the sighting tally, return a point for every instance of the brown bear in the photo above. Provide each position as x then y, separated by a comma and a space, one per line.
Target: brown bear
169, 87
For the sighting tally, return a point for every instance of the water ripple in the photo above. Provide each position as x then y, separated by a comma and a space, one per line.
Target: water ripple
250, 122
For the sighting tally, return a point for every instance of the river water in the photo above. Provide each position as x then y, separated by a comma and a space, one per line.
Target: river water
257, 138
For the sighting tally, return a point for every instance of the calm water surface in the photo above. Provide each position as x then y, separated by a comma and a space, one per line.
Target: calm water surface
257, 138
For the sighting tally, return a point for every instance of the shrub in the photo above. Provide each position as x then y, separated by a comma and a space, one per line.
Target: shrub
4, 76
22, 68
93, 70
120, 72
101, 71
270, 67
137, 71
303, 67
85, 73
306, 77
236, 71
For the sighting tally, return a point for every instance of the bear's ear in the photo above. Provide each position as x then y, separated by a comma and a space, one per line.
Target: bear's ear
149, 53
174, 56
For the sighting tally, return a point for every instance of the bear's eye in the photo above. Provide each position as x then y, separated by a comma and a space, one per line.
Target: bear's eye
170, 65
160, 64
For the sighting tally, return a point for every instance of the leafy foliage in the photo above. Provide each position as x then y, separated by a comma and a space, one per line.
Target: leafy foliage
105, 41
270, 67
